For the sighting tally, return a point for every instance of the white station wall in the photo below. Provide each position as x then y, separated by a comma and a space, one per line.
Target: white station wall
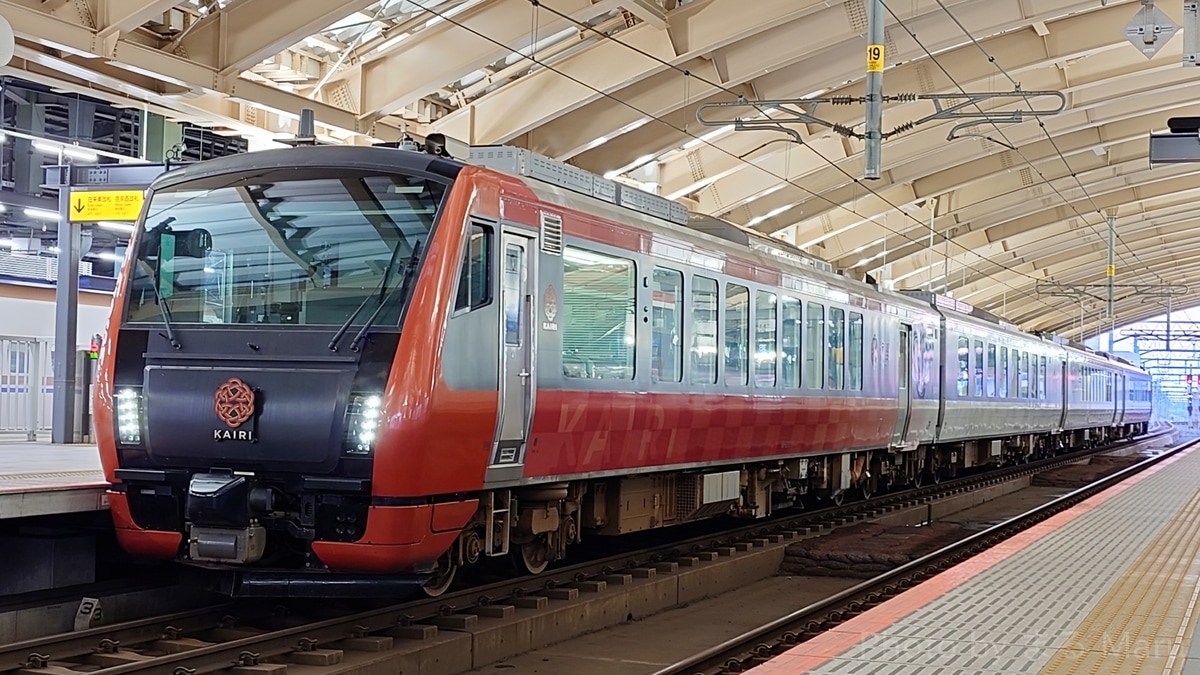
27, 311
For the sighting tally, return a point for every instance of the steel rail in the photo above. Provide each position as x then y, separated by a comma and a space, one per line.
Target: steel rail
760, 644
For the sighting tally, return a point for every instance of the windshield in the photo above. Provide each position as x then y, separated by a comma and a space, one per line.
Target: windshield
285, 246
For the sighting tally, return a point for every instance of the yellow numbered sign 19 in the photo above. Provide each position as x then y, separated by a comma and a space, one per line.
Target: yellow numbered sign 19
874, 58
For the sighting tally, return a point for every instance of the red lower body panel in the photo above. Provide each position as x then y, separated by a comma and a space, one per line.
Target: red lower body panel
577, 432
398, 537
147, 543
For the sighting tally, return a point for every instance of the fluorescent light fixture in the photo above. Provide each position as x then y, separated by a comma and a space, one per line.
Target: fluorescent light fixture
119, 227
41, 214
106, 255
47, 148
80, 154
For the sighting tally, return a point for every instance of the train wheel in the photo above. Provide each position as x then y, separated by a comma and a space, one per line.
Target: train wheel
838, 497
442, 578
532, 557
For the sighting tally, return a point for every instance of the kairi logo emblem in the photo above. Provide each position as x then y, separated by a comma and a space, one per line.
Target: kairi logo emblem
234, 404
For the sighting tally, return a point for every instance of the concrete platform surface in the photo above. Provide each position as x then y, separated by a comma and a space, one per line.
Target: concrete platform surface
1109, 586
38, 479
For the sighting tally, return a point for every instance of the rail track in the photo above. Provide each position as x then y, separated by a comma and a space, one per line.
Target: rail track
761, 644
255, 635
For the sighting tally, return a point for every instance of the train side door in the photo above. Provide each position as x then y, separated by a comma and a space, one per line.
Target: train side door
903, 393
518, 280
1119, 397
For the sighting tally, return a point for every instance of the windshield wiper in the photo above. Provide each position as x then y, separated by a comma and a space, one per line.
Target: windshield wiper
387, 275
162, 307
410, 266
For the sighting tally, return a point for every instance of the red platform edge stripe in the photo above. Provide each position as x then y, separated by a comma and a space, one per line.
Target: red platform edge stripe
823, 648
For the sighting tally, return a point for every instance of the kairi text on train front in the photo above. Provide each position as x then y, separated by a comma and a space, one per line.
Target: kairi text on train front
339, 370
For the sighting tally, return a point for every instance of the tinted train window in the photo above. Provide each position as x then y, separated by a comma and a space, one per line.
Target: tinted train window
704, 331
964, 366
667, 356
1024, 374
837, 348
791, 342
737, 333
474, 280
598, 330
990, 375
814, 337
978, 391
1003, 380
764, 341
854, 357
1014, 387
1042, 380
1033, 376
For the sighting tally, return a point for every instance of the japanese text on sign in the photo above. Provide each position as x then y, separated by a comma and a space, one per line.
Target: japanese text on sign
93, 205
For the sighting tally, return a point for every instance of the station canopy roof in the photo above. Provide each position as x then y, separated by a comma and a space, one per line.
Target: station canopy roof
1017, 211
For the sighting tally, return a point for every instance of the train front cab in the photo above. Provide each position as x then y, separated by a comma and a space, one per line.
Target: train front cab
259, 407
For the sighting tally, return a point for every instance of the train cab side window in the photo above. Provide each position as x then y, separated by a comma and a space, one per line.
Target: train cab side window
814, 339
704, 331
598, 326
765, 329
837, 348
964, 366
474, 280
978, 390
791, 342
991, 371
737, 334
1003, 379
854, 357
666, 360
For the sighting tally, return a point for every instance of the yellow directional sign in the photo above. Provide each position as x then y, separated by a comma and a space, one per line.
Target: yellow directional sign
92, 205
875, 58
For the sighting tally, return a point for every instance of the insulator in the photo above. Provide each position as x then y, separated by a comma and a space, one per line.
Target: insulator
907, 126
903, 98
843, 130
840, 100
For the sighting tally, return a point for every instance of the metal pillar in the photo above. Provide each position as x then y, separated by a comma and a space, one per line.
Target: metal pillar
1112, 269
66, 318
875, 59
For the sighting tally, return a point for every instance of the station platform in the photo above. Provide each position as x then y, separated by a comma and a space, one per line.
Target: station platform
42, 479
1109, 586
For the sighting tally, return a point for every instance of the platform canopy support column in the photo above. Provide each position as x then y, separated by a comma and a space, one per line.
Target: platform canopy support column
74, 183
873, 150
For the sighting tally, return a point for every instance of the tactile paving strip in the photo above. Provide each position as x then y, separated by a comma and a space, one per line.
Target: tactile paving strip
1108, 593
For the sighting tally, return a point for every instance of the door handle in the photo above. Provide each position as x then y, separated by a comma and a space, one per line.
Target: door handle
523, 374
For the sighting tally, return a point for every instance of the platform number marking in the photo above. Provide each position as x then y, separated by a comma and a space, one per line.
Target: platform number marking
89, 614
874, 58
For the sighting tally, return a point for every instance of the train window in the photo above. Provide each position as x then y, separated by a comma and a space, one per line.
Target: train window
1033, 376
977, 390
991, 371
474, 280
1003, 380
1042, 379
598, 330
1014, 387
814, 337
737, 333
1024, 374
837, 348
791, 342
765, 329
854, 357
964, 366
667, 350
18, 359
704, 331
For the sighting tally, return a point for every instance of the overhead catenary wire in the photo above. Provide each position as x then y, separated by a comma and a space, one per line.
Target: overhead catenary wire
655, 118
1042, 125
918, 224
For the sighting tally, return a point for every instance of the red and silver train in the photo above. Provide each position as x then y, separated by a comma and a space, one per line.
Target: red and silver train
338, 368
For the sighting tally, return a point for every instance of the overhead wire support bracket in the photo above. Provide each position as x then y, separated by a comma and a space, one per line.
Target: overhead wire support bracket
1098, 291
946, 107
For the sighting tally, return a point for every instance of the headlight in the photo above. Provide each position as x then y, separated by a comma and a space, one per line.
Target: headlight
363, 416
129, 416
